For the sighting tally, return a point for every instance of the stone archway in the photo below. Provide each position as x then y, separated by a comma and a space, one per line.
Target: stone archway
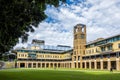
22, 65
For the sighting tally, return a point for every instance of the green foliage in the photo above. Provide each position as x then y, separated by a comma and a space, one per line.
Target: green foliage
17, 17
5, 57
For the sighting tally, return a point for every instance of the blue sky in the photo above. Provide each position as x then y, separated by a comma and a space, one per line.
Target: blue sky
102, 18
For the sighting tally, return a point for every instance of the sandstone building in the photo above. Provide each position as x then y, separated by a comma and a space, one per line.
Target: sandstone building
98, 54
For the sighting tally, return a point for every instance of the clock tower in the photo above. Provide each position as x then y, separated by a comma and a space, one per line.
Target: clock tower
79, 43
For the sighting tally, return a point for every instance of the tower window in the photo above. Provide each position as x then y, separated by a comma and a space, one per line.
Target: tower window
82, 36
75, 36
76, 30
74, 58
82, 29
78, 57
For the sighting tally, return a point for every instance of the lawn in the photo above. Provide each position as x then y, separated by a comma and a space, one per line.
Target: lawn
58, 74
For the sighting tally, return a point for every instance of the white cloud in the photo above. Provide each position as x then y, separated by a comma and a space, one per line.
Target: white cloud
101, 17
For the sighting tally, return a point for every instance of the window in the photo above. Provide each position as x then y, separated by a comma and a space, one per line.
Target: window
74, 58
22, 55
75, 36
82, 29
82, 36
109, 47
101, 56
92, 50
78, 57
19, 55
119, 45
89, 51
102, 48
96, 50
40, 56
74, 52
76, 30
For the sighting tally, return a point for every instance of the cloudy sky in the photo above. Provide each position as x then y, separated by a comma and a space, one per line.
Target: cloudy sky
102, 18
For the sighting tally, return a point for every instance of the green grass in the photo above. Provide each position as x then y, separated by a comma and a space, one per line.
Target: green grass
58, 74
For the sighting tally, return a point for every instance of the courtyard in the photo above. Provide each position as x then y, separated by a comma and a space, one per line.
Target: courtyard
57, 74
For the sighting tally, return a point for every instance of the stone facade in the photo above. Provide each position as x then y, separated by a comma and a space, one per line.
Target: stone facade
99, 54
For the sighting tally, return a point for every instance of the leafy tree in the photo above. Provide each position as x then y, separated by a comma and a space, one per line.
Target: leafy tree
17, 17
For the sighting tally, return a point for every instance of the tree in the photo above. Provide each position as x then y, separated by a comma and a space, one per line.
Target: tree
17, 17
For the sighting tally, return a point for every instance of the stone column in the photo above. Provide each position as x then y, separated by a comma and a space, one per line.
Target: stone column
76, 64
36, 64
45, 65
53, 65
117, 64
72, 64
18, 64
89, 64
31, 64
95, 65
57, 65
26, 65
81, 65
41, 65
109, 64
49, 65
68, 65
101, 64
63, 65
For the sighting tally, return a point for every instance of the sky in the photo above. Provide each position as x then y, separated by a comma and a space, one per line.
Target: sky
101, 17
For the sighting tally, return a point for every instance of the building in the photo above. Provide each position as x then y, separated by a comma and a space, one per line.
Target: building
98, 54
44, 56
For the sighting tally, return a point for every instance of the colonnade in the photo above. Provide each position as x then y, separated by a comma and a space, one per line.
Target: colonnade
43, 64
100, 64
